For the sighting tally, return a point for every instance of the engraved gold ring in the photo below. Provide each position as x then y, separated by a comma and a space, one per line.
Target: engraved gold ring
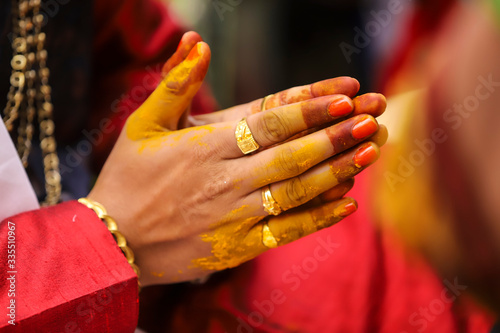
268, 238
244, 138
270, 205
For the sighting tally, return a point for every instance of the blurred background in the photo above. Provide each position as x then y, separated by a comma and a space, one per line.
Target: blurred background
260, 47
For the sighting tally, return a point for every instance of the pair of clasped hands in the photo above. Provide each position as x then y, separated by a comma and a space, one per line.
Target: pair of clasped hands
189, 201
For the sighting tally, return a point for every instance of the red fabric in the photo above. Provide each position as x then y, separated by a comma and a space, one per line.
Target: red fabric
423, 23
70, 276
362, 282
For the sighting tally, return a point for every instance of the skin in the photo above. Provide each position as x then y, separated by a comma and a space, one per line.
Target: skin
188, 200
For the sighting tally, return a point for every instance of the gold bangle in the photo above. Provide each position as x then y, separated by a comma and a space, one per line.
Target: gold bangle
113, 228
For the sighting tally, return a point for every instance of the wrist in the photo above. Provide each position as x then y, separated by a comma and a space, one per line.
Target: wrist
120, 239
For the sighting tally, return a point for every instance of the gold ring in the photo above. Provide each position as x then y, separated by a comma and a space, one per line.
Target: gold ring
268, 238
264, 101
244, 138
270, 205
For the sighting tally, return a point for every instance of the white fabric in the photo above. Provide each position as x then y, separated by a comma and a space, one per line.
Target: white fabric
16, 193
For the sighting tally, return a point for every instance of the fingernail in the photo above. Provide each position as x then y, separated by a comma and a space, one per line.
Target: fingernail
348, 209
195, 52
364, 128
365, 156
341, 106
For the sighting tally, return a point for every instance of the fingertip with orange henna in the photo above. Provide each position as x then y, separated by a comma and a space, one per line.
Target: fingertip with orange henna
365, 127
366, 155
381, 136
189, 73
349, 209
188, 41
371, 103
340, 106
200, 49
341, 85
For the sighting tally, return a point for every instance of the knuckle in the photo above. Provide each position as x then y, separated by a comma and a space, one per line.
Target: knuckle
200, 154
287, 163
274, 127
218, 185
296, 192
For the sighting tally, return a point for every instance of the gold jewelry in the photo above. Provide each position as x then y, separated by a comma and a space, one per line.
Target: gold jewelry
30, 94
113, 228
268, 238
270, 205
244, 138
264, 101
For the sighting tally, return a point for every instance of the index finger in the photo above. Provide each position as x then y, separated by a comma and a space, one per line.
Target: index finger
341, 85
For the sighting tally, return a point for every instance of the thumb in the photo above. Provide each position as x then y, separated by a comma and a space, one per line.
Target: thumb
188, 41
164, 107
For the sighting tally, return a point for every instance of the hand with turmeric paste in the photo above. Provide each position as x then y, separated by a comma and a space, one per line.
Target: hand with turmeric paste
220, 191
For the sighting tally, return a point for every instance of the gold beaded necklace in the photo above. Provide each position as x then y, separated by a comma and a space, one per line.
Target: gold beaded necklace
29, 97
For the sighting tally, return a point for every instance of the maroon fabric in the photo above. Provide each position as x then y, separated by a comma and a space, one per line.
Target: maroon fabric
423, 23
351, 277
69, 275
